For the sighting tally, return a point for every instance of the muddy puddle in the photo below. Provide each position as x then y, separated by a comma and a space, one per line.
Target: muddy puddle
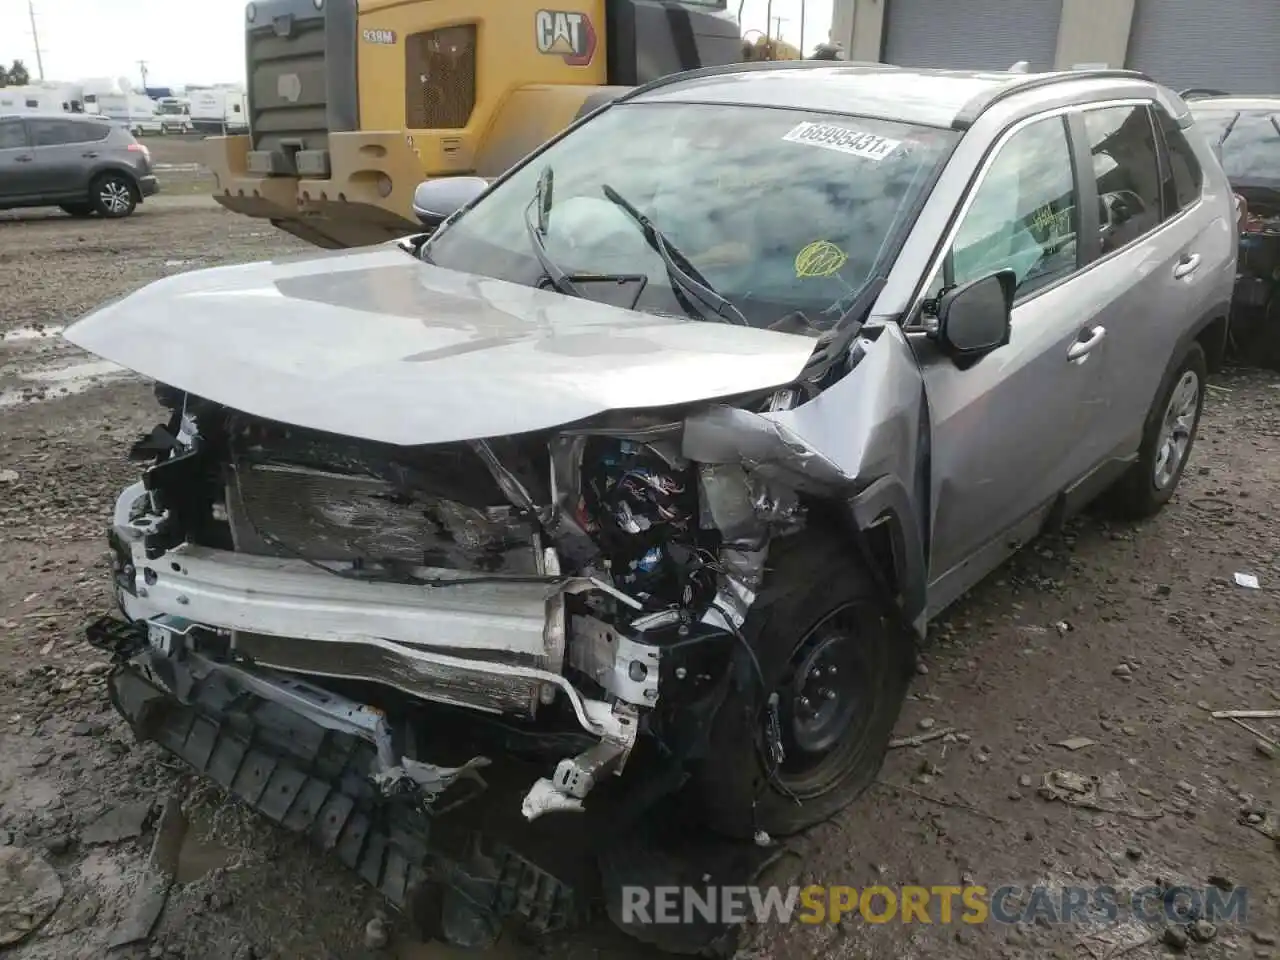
23, 334
199, 857
49, 383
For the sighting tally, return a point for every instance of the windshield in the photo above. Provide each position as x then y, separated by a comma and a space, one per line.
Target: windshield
1251, 149
776, 211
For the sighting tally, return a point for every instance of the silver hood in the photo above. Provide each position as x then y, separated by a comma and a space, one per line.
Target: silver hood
378, 345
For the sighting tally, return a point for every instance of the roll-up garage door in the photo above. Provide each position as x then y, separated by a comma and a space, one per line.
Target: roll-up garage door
973, 34
1229, 45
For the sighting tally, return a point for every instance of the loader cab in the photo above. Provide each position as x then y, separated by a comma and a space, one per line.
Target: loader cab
317, 69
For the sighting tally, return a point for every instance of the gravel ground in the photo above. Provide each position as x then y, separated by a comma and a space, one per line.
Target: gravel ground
1122, 635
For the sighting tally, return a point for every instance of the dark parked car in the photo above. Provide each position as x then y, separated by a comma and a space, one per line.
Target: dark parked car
85, 165
1245, 133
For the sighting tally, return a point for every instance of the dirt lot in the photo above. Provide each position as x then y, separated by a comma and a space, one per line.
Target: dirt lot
1125, 636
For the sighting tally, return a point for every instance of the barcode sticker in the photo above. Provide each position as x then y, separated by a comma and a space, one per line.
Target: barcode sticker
868, 146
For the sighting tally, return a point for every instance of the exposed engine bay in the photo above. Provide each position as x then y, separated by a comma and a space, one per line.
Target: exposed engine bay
591, 576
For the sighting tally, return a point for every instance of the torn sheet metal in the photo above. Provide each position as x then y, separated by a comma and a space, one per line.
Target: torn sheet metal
863, 426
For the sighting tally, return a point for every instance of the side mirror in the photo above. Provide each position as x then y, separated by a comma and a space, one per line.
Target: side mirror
977, 317
434, 201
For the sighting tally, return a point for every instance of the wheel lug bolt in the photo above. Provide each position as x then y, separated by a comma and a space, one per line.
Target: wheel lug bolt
829, 694
815, 673
831, 670
804, 703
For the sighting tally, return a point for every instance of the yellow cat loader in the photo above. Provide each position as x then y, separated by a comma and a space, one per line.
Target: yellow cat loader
352, 103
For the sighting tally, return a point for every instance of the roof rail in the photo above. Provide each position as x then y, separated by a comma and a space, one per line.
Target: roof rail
1199, 93
750, 66
971, 111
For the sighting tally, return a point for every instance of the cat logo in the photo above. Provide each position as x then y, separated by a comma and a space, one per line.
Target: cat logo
571, 36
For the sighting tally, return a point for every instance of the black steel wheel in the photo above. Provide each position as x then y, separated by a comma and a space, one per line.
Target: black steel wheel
795, 743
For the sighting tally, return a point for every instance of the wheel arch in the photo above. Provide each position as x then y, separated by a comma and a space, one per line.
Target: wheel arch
1211, 331
884, 524
110, 167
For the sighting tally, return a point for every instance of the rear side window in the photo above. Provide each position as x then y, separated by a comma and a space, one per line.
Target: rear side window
91, 131
1126, 167
1184, 178
13, 135
53, 133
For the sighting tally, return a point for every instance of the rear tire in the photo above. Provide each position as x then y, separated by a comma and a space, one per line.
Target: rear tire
114, 195
1167, 439
78, 209
840, 668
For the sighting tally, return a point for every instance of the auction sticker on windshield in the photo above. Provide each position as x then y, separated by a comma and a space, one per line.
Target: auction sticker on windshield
828, 135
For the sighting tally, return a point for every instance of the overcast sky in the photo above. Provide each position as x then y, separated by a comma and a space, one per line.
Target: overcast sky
200, 41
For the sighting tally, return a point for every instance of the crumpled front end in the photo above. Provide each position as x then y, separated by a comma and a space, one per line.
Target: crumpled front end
555, 599
565, 581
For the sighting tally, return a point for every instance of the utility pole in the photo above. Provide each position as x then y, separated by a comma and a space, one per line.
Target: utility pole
802, 6
35, 37
142, 67
768, 20
777, 23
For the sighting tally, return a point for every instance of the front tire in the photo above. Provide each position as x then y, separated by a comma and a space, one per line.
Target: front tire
114, 196
838, 667
1167, 439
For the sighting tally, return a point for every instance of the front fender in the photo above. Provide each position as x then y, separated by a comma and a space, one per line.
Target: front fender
885, 508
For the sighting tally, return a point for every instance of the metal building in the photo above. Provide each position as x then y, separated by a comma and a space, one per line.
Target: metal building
1225, 44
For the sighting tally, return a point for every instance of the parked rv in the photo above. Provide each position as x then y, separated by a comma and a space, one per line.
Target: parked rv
220, 110
139, 113
175, 115
41, 98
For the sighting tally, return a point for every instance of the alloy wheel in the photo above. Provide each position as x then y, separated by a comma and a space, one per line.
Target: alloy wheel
1175, 430
116, 196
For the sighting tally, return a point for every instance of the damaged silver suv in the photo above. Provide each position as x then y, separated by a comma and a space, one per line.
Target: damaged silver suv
642, 472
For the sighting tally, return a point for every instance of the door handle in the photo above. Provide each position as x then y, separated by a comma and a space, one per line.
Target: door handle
90, 155
1081, 348
23, 159
1187, 266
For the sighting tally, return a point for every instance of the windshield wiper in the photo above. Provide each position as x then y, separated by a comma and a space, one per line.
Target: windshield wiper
684, 276
537, 234
1231, 125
